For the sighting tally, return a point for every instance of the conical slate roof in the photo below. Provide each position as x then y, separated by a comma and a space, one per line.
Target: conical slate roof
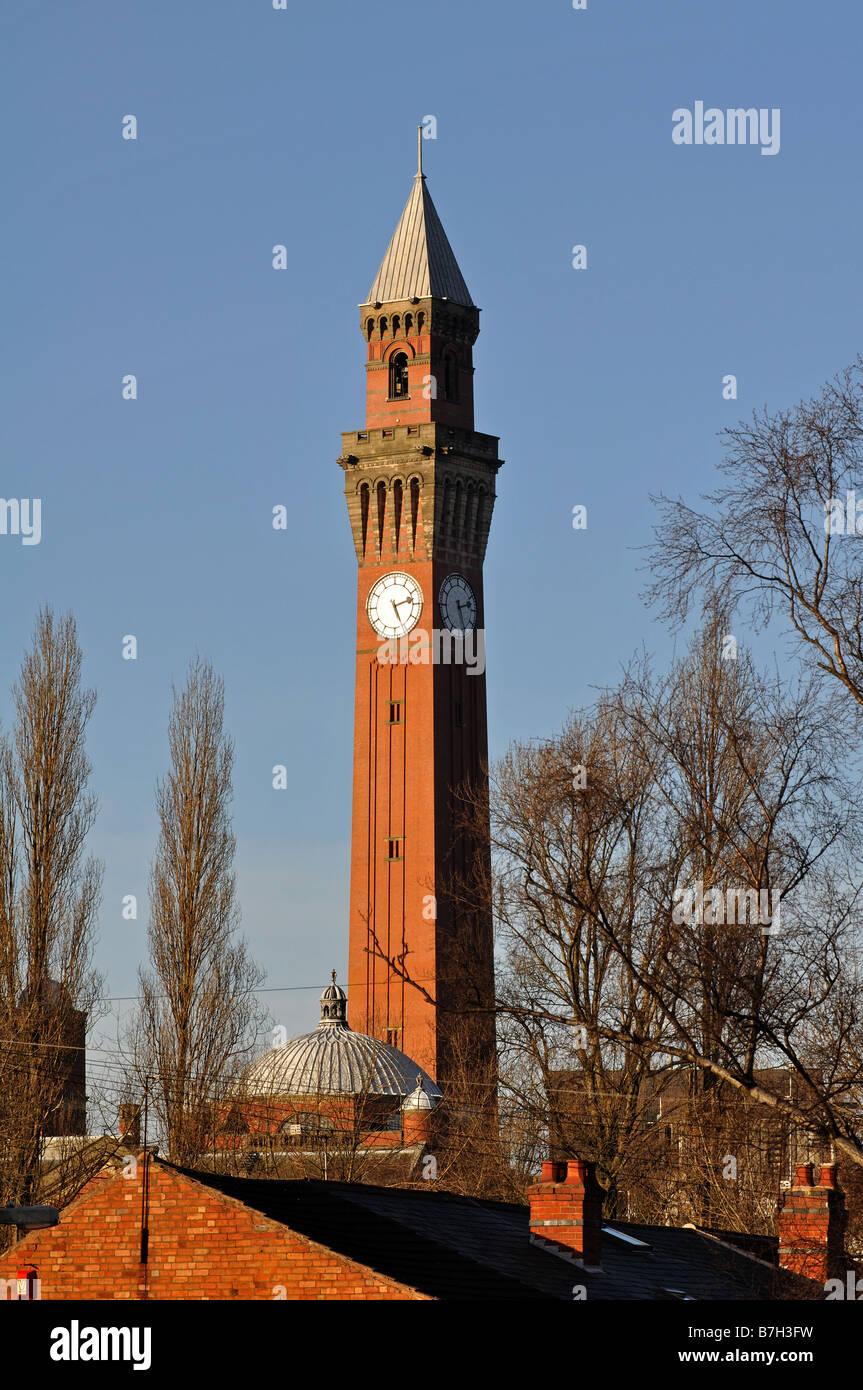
335, 1061
419, 262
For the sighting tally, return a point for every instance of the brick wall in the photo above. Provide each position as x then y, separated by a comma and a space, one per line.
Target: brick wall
202, 1245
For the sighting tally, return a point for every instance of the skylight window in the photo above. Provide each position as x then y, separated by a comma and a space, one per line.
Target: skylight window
624, 1239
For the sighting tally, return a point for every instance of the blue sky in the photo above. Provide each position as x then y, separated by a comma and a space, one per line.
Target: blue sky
154, 257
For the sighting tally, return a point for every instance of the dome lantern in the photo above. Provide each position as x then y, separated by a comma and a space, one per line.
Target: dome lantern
334, 1004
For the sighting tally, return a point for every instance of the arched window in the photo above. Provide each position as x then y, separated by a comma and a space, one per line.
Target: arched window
409, 323
445, 506
383, 325
370, 328
396, 325
382, 511
398, 494
467, 529
415, 510
398, 375
364, 512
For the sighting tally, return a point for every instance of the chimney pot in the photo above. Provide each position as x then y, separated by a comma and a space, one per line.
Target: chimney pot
804, 1175
827, 1176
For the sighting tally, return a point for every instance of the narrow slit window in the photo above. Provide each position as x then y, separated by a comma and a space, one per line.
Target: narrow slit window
364, 513
394, 850
415, 510
382, 511
395, 715
398, 497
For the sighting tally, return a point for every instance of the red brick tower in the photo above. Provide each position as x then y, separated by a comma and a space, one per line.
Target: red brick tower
420, 487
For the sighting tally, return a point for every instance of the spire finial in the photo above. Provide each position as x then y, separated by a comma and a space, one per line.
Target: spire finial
333, 976
419, 151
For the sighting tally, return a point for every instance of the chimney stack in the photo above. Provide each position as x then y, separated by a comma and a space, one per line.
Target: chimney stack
566, 1211
129, 1126
811, 1224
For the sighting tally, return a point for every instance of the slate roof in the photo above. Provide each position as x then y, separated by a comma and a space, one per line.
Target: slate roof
419, 261
457, 1248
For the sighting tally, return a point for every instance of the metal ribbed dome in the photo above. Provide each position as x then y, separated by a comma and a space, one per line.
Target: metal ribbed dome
335, 1061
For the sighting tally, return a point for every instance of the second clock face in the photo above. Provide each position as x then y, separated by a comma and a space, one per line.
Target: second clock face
457, 602
394, 604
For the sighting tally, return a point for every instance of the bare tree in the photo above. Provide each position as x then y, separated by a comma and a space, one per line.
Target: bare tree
717, 775
776, 533
578, 869
757, 802
49, 898
198, 1015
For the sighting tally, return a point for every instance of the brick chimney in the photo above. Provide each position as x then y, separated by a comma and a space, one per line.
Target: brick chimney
129, 1124
811, 1221
566, 1211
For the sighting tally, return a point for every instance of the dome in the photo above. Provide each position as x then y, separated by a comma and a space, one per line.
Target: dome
420, 1099
334, 1060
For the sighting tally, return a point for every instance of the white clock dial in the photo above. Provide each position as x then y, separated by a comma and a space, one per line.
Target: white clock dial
394, 604
457, 602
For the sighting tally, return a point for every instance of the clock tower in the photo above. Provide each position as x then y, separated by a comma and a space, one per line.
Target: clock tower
420, 488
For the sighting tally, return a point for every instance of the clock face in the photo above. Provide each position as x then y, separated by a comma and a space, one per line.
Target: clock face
457, 602
394, 604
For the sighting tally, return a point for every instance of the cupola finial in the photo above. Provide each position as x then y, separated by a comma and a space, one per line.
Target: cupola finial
420, 173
